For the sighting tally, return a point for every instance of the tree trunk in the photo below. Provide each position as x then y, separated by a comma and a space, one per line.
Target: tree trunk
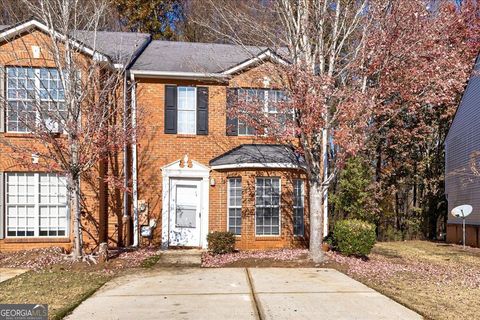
316, 220
78, 243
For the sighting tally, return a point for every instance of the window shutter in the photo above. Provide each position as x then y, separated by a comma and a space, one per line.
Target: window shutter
2, 206
3, 96
232, 121
171, 109
202, 110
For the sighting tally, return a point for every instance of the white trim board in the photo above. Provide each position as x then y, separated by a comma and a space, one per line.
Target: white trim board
13, 31
176, 74
266, 55
258, 165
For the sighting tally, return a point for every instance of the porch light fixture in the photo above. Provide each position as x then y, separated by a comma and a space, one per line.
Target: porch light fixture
212, 182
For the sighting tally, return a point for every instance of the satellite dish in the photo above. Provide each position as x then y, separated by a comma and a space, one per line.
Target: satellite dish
462, 211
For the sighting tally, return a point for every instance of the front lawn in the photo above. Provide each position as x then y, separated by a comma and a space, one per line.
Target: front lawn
437, 280
61, 283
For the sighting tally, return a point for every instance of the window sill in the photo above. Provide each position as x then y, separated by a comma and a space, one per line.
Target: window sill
26, 135
187, 136
268, 238
37, 240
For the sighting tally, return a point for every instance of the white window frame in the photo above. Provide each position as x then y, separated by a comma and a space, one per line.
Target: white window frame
189, 110
37, 204
35, 101
230, 206
302, 206
266, 109
279, 207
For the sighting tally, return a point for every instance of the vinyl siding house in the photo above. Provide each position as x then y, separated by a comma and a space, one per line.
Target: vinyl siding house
194, 169
462, 169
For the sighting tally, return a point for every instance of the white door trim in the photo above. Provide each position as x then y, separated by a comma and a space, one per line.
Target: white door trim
179, 169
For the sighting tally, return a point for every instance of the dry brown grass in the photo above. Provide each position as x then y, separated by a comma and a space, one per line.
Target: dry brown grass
61, 289
446, 286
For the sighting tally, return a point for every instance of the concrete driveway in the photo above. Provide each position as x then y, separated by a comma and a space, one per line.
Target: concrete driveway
239, 293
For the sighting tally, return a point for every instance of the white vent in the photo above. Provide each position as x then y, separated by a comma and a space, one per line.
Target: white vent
36, 52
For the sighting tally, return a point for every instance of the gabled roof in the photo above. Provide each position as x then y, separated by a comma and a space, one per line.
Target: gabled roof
117, 47
171, 58
259, 156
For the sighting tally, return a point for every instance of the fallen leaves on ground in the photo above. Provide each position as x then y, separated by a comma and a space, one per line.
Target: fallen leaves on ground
210, 260
381, 269
34, 259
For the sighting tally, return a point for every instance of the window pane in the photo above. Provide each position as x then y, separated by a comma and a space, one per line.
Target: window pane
298, 208
267, 206
186, 216
235, 205
25, 216
186, 116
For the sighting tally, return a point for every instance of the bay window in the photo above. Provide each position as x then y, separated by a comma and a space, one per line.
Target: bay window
235, 205
298, 208
267, 206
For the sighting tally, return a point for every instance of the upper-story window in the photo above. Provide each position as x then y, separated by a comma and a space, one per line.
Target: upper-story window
186, 110
267, 99
33, 96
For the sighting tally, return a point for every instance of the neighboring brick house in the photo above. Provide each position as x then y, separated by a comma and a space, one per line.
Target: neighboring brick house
194, 168
462, 163
34, 210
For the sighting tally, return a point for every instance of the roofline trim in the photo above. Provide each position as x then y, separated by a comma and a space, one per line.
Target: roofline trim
10, 32
176, 74
273, 165
260, 57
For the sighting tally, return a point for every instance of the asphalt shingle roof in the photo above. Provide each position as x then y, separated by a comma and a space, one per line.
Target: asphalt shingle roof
259, 154
172, 56
119, 46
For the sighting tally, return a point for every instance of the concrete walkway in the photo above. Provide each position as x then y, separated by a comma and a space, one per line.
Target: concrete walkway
8, 273
239, 293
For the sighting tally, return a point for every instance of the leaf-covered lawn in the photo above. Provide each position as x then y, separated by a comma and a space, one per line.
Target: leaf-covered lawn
56, 280
439, 281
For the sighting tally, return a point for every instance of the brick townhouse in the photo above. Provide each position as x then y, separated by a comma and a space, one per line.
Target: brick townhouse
194, 169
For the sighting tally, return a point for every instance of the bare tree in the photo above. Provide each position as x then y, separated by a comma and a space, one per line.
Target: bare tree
73, 111
326, 108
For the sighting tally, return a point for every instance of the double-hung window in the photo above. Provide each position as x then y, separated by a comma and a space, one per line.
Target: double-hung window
235, 205
267, 206
34, 95
266, 99
187, 110
298, 208
36, 205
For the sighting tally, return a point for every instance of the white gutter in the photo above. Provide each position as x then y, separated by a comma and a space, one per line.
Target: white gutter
134, 162
176, 74
257, 165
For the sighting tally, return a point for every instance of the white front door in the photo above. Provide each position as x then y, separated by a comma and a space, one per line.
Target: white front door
185, 213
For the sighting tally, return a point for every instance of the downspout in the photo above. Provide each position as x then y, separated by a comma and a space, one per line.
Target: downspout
325, 178
134, 161
125, 147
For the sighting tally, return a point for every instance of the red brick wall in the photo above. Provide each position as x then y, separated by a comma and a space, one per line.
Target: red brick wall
455, 234
18, 52
157, 149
